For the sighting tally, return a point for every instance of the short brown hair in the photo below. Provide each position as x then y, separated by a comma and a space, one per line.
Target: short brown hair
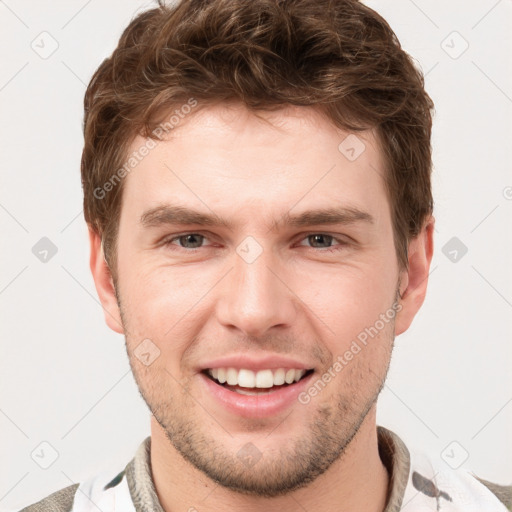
338, 56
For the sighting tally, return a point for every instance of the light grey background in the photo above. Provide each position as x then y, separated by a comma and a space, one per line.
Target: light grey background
65, 376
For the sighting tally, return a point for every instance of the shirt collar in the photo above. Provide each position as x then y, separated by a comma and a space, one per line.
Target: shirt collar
392, 450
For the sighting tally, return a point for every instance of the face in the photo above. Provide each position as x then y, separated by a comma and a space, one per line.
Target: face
253, 256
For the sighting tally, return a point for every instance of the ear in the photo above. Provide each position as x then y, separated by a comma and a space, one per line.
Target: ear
414, 280
104, 283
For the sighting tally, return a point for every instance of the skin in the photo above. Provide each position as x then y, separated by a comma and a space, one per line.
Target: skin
295, 299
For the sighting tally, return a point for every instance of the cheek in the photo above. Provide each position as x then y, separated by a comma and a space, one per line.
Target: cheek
347, 302
153, 296
164, 305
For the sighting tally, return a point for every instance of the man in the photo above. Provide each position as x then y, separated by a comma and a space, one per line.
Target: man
257, 188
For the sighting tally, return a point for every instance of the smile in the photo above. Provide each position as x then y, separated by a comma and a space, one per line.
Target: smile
248, 382
255, 393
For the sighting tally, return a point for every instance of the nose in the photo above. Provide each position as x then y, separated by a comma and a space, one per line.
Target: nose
256, 296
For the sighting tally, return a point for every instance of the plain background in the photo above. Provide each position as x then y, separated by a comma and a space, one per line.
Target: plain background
65, 376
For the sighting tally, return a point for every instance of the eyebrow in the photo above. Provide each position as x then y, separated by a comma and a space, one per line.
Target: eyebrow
172, 214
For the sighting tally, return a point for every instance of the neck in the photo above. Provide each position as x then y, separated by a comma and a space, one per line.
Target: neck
356, 481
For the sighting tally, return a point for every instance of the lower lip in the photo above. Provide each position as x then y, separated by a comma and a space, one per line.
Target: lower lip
256, 406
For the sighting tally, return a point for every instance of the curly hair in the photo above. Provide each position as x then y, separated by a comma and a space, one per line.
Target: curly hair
338, 56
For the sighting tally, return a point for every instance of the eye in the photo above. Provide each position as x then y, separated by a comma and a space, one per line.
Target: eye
192, 241
325, 240
186, 240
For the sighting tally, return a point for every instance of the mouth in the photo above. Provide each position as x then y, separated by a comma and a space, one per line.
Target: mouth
255, 383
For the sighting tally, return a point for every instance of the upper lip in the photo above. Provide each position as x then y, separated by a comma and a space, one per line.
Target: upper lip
270, 362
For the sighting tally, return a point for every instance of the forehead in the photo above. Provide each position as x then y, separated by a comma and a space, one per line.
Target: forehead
225, 156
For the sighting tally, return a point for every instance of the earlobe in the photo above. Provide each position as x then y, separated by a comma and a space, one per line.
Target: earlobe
104, 283
414, 280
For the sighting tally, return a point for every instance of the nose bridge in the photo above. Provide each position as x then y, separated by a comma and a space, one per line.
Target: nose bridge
254, 299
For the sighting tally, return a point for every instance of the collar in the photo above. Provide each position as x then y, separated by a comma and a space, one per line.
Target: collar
392, 450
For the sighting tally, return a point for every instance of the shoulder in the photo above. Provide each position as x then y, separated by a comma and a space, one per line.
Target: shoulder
502, 492
433, 480
101, 489
109, 489
59, 501
420, 481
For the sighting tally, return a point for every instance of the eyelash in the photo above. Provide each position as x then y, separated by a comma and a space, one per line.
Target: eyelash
341, 243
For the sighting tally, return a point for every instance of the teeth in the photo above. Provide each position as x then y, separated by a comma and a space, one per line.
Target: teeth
279, 377
289, 377
232, 376
250, 393
221, 375
261, 379
246, 379
264, 379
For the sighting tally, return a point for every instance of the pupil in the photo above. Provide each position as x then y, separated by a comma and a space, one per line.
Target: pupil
317, 238
186, 238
